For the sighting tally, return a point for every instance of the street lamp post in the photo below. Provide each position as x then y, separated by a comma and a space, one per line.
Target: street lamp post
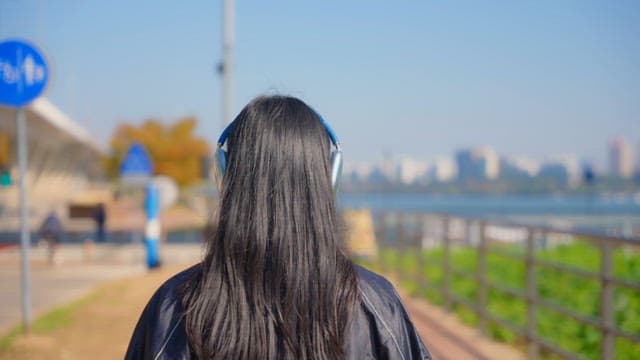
227, 62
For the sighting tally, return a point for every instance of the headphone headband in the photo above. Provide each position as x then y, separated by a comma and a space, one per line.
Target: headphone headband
336, 155
334, 139
225, 134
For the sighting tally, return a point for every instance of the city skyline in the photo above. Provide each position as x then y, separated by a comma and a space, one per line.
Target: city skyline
462, 165
420, 79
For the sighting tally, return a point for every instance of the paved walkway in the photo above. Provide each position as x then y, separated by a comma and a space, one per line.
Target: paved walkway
76, 272
449, 339
76, 275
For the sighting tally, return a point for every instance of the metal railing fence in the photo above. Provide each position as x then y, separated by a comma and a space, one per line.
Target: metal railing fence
416, 235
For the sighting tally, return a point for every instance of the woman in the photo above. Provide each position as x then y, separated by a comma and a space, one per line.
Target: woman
275, 283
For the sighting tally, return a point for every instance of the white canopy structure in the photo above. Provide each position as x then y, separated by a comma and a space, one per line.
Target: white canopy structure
62, 160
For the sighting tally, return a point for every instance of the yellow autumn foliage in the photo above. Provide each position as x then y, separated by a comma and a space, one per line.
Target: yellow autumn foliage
175, 149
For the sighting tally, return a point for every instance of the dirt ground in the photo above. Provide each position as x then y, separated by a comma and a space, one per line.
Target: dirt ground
100, 328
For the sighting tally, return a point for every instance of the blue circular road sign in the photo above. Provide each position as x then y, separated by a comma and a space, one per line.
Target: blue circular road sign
23, 73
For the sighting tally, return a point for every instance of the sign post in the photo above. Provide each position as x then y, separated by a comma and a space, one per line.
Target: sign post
153, 228
25, 238
23, 77
137, 168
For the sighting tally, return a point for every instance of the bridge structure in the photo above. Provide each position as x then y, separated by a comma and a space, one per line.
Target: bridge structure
63, 160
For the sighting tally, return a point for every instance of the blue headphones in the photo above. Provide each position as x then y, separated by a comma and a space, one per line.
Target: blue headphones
336, 153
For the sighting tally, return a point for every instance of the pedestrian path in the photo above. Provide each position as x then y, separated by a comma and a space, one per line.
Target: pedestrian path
448, 339
445, 336
76, 272
52, 287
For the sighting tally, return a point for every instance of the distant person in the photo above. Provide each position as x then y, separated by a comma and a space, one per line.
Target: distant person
275, 282
51, 231
100, 217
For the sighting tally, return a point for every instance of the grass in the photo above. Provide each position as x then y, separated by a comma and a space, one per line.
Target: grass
57, 318
568, 290
97, 326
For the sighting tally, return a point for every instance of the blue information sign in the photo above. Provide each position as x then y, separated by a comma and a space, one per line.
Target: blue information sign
137, 162
23, 73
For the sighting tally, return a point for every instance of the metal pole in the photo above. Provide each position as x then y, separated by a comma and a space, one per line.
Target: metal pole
531, 298
398, 272
607, 313
382, 242
227, 62
25, 242
482, 281
419, 236
446, 263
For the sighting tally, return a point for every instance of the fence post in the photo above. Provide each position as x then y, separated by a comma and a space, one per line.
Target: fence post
446, 263
482, 280
419, 234
381, 236
607, 350
531, 297
400, 242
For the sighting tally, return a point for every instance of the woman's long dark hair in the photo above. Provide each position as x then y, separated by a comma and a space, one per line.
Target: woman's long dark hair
275, 283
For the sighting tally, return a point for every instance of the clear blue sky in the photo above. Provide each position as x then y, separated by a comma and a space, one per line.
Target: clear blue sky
419, 78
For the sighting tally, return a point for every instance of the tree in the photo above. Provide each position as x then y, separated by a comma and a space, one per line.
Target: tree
175, 150
4, 150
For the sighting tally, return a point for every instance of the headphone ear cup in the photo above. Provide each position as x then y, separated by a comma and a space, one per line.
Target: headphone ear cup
336, 168
222, 160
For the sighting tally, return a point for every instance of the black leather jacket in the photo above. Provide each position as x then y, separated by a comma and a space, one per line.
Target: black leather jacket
381, 328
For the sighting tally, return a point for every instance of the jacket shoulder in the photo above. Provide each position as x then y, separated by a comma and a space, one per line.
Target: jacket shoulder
390, 333
159, 333
376, 286
171, 289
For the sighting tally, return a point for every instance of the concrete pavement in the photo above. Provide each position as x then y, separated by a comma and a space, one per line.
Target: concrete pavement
76, 272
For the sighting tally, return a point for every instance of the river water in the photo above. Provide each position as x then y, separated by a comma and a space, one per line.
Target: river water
612, 215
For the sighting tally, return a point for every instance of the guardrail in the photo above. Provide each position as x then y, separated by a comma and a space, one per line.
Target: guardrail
404, 233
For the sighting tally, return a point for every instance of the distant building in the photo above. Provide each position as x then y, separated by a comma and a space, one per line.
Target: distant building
556, 172
411, 171
564, 171
512, 171
356, 172
620, 158
378, 176
388, 167
467, 167
523, 165
443, 170
480, 163
491, 162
